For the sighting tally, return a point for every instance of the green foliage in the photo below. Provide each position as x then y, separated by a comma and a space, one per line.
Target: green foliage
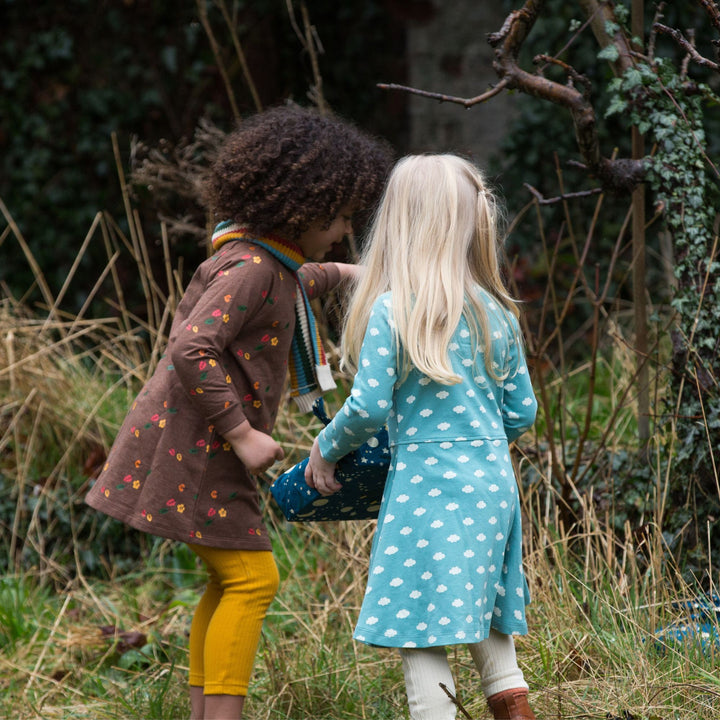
671, 109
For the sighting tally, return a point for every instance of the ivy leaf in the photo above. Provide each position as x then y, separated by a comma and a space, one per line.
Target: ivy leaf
609, 52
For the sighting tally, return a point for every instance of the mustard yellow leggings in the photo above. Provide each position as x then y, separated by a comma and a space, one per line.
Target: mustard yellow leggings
226, 627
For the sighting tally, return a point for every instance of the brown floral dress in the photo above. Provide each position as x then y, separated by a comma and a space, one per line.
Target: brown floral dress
170, 472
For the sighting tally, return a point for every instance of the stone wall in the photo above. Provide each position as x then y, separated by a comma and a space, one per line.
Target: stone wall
448, 52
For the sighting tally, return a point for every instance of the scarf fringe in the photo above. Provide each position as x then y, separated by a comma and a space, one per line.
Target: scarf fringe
305, 402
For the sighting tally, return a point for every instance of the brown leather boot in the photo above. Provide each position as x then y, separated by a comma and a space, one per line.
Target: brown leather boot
511, 705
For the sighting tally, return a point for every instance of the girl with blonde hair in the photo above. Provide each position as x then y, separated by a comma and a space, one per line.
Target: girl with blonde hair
433, 337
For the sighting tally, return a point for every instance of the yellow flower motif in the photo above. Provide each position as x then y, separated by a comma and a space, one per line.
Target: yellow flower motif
281, 275
199, 390
106, 466
257, 260
195, 328
227, 446
136, 433
257, 403
136, 484
225, 318
274, 341
222, 512
228, 380
181, 508
106, 493
198, 534
148, 517
247, 356
162, 423
312, 283
179, 457
212, 363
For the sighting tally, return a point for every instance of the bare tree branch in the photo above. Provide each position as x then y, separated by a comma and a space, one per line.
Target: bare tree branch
614, 175
465, 102
542, 200
687, 46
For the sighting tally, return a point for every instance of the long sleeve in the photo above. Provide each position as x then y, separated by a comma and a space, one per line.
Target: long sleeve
519, 405
370, 401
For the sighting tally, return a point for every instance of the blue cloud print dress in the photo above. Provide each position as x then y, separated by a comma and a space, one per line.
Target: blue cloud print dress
446, 560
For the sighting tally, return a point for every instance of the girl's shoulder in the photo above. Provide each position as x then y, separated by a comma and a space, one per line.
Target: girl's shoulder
382, 304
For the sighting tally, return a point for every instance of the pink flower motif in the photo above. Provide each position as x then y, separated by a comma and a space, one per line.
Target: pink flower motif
127, 478
200, 443
171, 502
211, 512
155, 417
172, 451
217, 313
202, 365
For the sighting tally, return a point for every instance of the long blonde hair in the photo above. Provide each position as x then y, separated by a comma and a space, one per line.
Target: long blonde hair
433, 241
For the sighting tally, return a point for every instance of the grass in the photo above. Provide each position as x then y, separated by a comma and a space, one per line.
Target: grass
94, 618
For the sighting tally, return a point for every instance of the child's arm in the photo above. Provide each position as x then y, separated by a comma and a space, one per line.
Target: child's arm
348, 271
519, 406
257, 450
319, 473
367, 408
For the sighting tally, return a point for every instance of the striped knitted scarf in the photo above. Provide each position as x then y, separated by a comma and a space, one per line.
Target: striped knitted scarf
310, 373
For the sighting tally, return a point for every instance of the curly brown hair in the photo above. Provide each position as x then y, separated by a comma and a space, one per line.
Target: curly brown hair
285, 168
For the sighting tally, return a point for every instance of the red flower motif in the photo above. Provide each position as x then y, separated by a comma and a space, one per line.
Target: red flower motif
211, 512
200, 443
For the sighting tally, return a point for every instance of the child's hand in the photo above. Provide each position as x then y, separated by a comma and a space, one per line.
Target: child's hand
320, 474
257, 450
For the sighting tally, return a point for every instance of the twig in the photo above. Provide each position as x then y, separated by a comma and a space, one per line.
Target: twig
465, 102
241, 55
542, 200
687, 46
458, 704
202, 14
312, 44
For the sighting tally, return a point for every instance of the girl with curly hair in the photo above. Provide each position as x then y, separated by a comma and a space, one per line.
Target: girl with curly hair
285, 187
434, 337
